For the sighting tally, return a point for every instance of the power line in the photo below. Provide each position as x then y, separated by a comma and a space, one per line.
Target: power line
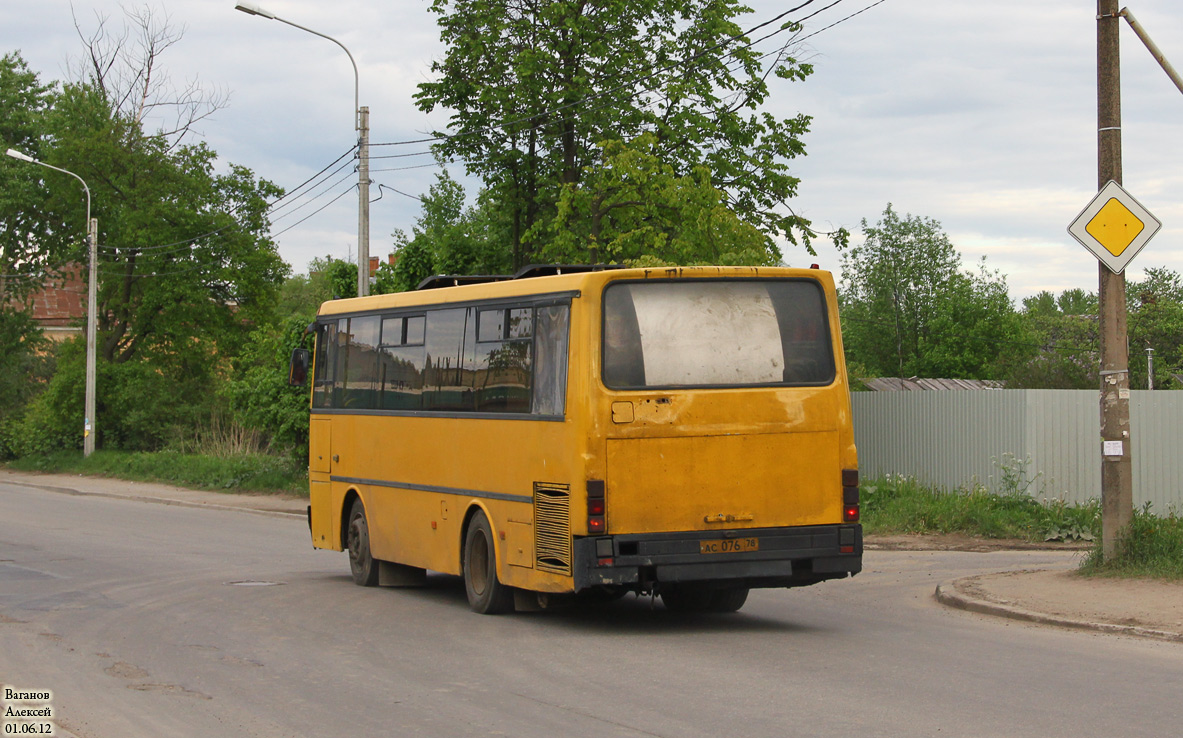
392, 189
403, 169
298, 222
312, 199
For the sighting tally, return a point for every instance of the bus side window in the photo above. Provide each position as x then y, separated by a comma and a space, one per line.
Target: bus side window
501, 367
361, 365
450, 334
325, 365
550, 359
401, 363
624, 362
801, 312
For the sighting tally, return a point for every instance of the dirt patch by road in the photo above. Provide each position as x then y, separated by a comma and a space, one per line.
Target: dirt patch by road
959, 542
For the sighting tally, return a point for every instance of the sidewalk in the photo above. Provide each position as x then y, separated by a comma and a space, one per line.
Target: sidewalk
1135, 607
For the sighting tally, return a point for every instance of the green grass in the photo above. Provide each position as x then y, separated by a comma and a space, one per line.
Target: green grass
255, 473
1153, 548
897, 504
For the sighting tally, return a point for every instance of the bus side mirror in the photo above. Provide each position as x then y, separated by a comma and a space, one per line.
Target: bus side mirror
298, 371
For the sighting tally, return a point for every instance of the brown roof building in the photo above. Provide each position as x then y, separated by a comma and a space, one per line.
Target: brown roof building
60, 306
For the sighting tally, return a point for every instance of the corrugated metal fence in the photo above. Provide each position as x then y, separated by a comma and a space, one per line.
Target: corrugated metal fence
952, 439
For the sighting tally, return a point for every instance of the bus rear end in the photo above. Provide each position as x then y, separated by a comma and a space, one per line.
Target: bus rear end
723, 457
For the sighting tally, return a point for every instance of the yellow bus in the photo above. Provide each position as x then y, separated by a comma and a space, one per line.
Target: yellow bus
680, 432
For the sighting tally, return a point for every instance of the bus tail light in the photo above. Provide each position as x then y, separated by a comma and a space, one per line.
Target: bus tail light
850, 510
597, 521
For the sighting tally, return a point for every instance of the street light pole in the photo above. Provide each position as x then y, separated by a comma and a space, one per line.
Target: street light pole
361, 121
89, 425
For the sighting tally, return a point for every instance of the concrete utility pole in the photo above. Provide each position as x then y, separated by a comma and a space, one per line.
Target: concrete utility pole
90, 427
1117, 500
363, 201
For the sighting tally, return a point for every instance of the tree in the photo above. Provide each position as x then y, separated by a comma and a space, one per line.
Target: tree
182, 251
125, 67
33, 236
632, 207
1156, 322
447, 238
537, 87
184, 258
1057, 345
909, 309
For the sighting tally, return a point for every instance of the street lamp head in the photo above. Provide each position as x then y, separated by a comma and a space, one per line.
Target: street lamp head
252, 9
18, 155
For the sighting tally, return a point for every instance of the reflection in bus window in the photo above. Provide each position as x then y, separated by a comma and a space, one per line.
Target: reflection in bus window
446, 386
325, 366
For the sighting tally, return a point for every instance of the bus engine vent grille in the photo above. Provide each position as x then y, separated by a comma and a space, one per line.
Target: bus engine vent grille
552, 527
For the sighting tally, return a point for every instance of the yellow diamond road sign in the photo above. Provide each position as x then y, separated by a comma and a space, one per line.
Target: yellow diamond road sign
1114, 227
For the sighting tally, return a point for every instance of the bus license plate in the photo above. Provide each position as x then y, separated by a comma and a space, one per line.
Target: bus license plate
729, 545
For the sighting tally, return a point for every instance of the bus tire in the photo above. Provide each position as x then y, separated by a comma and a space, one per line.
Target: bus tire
690, 599
728, 600
486, 594
357, 538
686, 598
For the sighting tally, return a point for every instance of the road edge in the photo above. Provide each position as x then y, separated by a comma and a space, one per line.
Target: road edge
159, 500
948, 594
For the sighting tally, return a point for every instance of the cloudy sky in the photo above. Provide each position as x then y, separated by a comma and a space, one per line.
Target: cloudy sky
981, 115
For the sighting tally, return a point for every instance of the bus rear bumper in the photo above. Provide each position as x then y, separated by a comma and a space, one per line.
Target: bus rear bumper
759, 557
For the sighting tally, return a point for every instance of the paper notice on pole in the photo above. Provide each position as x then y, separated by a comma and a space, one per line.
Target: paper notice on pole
1114, 448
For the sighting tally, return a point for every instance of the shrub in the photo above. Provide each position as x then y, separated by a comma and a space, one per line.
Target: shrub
1152, 546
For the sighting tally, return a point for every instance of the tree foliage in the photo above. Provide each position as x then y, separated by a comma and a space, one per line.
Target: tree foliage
183, 250
1156, 322
448, 237
909, 309
1057, 345
633, 207
34, 237
185, 264
537, 88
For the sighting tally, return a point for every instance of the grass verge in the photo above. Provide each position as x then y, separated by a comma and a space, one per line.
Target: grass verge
898, 504
1152, 547
256, 473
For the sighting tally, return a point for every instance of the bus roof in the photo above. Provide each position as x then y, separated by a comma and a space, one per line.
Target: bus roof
493, 287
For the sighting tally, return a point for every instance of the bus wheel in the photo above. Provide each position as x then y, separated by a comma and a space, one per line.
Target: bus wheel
728, 600
486, 594
361, 563
687, 599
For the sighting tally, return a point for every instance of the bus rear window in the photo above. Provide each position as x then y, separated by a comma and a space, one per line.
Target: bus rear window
705, 333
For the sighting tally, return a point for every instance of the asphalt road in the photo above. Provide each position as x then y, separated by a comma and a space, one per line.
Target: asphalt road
153, 620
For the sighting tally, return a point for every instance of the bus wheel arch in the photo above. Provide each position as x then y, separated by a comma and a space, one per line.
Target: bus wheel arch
351, 496
478, 565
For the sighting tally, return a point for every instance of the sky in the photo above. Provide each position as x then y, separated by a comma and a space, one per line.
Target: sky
980, 115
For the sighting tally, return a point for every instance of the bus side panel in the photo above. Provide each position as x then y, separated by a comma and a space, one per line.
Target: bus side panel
325, 507
415, 528
325, 525
419, 476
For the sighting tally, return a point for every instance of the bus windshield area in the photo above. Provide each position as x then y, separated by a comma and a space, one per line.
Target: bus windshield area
703, 333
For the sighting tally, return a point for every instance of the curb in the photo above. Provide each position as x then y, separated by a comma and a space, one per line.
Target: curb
160, 500
947, 593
